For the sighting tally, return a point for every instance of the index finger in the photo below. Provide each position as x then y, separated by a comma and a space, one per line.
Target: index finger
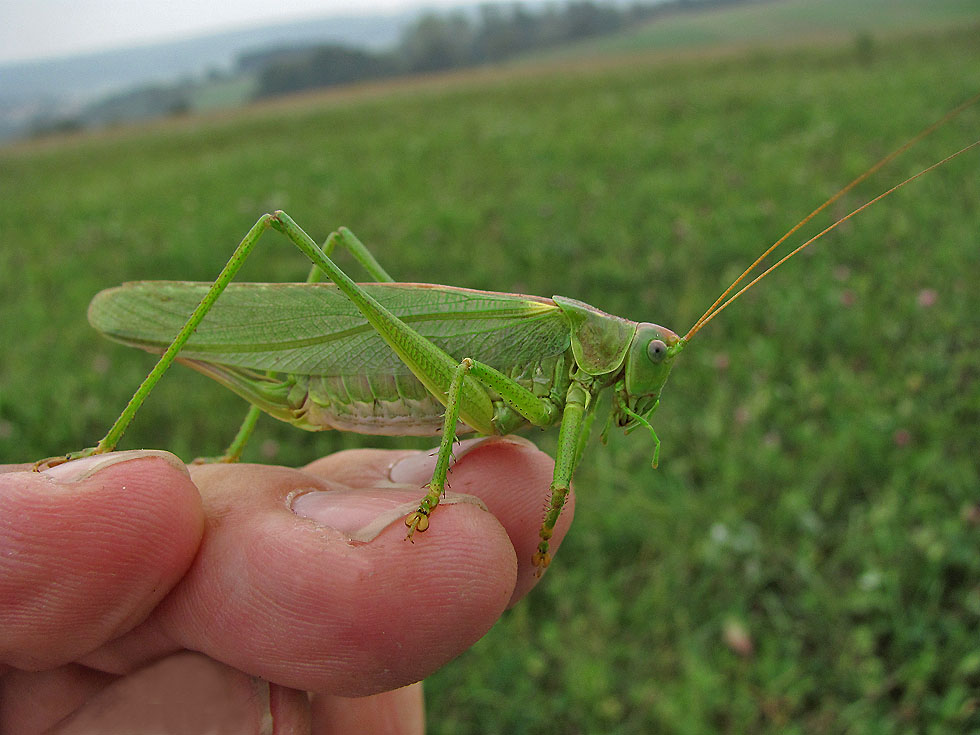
283, 589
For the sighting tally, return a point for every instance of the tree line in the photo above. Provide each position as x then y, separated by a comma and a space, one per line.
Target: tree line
443, 41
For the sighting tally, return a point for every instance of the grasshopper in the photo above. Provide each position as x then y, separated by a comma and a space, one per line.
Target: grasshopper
413, 359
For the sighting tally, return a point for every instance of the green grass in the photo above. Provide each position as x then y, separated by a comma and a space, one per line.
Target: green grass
775, 21
819, 474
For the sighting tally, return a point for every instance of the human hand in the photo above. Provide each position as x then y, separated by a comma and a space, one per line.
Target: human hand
135, 596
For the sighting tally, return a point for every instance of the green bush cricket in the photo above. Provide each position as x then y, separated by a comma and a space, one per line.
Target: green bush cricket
412, 359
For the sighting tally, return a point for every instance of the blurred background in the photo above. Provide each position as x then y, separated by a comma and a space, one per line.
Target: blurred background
805, 559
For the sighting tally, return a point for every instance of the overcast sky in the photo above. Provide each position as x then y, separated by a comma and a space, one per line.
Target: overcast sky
37, 29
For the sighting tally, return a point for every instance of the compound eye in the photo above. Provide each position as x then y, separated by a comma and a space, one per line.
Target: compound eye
656, 350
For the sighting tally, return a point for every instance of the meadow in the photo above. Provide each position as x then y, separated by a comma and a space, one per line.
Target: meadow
774, 22
805, 559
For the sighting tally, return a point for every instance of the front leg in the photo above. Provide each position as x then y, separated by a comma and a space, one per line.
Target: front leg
575, 424
537, 411
571, 437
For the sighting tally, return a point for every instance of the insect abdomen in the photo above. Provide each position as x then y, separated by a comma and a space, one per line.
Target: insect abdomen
385, 405
392, 405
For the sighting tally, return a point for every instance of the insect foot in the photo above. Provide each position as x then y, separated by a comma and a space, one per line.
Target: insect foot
541, 558
46, 464
223, 459
417, 521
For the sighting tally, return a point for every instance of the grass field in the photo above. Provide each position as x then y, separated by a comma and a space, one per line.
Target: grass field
805, 559
776, 22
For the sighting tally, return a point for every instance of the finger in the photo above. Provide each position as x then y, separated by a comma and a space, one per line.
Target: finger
398, 712
22, 467
363, 467
512, 476
186, 692
87, 550
290, 597
33, 702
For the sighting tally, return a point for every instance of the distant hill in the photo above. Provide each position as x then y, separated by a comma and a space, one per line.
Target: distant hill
31, 89
89, 76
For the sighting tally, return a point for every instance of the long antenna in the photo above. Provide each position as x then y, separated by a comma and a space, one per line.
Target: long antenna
720, 303
708, 317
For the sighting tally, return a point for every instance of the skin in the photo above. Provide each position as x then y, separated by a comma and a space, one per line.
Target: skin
142, 595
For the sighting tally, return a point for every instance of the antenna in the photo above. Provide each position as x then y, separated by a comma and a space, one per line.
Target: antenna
721, 303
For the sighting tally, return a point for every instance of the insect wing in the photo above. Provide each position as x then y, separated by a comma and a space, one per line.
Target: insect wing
314, 329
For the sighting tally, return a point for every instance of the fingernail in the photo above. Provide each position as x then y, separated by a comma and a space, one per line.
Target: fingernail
81, 469
418, 467
364, 513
